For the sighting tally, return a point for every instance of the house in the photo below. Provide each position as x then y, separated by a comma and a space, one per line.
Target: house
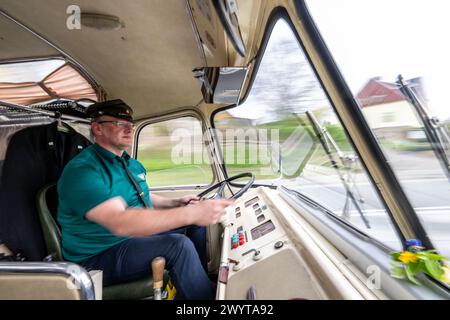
388, 112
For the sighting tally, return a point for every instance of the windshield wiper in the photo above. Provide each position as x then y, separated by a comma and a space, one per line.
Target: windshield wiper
433, 130
325, 138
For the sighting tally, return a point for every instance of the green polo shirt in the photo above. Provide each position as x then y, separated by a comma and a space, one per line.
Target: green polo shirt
92, 177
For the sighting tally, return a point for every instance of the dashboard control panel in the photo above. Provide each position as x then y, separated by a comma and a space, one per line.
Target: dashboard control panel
254, 241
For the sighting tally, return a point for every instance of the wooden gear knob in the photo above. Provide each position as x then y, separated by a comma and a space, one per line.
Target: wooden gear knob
158, 265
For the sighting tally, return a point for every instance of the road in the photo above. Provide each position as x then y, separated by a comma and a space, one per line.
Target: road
423, 180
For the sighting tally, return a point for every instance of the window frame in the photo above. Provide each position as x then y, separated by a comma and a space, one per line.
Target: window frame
171, 116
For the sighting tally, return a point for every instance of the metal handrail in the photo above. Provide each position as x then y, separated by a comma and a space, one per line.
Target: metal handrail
81, 278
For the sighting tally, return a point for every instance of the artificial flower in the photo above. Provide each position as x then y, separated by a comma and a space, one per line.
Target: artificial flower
408, 257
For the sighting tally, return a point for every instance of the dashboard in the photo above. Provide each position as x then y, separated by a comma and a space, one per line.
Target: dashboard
259, 259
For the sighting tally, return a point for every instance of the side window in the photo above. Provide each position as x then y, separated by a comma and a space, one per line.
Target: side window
172, 153
287, 134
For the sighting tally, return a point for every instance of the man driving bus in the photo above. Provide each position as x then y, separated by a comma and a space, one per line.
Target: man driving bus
110, 222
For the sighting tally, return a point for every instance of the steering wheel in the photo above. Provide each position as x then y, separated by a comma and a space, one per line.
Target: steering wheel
221, 185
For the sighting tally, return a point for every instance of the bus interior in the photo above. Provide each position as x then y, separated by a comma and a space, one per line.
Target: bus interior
309, 114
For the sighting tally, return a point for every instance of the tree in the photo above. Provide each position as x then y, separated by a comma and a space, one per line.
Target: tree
285, 82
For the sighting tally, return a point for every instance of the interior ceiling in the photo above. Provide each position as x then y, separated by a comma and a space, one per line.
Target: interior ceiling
148, 63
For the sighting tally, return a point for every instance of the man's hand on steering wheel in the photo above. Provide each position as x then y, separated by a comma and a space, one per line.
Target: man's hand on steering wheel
207, 212
212, 209
189, 199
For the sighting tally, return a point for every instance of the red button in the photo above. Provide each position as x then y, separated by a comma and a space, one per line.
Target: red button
235, 245
241, 242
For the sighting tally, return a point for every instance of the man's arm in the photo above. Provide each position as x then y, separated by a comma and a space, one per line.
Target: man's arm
160, 202
113, 215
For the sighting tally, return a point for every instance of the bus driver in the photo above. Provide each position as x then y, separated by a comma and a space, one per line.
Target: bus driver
106, 225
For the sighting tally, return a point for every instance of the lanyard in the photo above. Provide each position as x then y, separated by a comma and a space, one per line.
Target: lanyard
135, 184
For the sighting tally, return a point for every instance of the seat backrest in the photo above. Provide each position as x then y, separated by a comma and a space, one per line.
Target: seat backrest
47, 206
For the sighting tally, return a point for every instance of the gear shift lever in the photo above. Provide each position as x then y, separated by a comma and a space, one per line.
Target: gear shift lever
158, 265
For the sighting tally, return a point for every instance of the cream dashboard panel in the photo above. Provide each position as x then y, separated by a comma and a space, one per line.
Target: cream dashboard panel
259, 260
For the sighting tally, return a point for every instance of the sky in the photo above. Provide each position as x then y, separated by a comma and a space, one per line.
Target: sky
385, 38
30, 71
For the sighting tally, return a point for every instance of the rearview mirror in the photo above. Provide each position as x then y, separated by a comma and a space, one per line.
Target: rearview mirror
221, 84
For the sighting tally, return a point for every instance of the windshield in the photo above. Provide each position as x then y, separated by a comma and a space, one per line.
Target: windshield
409, 115
287, 134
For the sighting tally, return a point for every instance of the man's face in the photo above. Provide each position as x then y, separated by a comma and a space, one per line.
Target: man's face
115, 132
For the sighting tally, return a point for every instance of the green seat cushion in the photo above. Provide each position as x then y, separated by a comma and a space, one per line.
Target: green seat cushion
139, 289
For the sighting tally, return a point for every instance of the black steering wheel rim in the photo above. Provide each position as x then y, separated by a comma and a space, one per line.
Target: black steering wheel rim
221, 185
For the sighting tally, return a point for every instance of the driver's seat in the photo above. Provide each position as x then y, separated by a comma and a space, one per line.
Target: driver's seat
47, 204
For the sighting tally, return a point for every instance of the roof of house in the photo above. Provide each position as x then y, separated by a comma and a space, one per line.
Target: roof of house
377, 92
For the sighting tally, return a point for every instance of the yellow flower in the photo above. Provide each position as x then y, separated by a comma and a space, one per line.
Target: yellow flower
446, 276
407, 257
